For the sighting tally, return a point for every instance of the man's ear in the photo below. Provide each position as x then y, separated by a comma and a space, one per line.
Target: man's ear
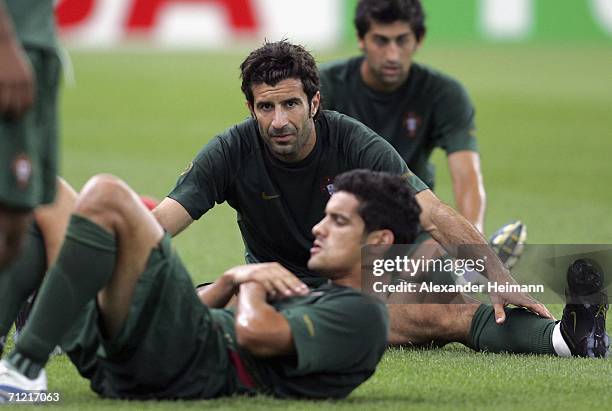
250, 107
360, 42
380, 237
419, 43
315, 103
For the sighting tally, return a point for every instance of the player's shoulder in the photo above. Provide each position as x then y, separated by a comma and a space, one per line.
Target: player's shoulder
435, 80
358, 307
343, 127
350, 138
237, 141
243, 134
351, 298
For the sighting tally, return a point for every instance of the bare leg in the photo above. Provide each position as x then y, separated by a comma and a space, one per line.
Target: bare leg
428, 319
110, 203
53, 219
430, 324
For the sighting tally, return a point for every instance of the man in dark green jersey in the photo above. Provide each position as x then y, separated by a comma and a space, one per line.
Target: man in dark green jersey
412, 106
29, 74
282, 338
276, 169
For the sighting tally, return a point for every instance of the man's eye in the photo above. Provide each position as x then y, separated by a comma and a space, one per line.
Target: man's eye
403, 40
380, 41
292, 104
339, 220
265, 107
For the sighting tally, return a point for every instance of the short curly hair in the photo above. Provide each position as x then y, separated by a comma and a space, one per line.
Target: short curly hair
386, 201
389, 11
278, 61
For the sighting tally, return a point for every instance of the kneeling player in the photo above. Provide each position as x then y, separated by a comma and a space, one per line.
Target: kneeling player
119, 280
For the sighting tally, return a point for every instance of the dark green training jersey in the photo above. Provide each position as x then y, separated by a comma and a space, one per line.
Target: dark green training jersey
33, 21
339, 335
429, 110
278, 203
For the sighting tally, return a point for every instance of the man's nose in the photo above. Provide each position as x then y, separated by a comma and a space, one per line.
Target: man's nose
280, 118
392, 52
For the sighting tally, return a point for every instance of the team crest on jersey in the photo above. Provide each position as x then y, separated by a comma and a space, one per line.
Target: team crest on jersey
327, 186
412, 123
22, 170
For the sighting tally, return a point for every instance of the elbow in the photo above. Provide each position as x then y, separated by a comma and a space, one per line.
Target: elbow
251, 339
257, 339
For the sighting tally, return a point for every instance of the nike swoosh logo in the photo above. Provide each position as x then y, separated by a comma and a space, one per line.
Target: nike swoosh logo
265, 196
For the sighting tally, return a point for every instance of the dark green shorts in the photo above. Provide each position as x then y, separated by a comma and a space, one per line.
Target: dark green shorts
169, 347
29, 145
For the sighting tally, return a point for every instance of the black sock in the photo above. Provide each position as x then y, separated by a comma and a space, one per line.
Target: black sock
85, 264
21, 278
522, 332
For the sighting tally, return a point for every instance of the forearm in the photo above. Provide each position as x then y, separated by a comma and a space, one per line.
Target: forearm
468, 186
252, 308
471, 203
172, 216
259, 327
454, 232
218, 294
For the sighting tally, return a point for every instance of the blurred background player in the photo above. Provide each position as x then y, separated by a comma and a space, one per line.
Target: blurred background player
29, 76
412, 106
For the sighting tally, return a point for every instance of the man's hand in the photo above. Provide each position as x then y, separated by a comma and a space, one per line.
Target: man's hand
500, 300
277, 280
17, 82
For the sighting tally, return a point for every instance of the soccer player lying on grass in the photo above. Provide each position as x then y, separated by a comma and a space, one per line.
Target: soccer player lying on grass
119, 285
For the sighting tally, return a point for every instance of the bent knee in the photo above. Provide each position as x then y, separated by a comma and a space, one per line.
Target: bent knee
103, 196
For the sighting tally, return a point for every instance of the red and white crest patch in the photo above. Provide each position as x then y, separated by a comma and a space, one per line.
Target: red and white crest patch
412, 123
22, 170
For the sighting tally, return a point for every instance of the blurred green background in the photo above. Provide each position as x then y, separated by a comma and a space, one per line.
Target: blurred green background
543, 117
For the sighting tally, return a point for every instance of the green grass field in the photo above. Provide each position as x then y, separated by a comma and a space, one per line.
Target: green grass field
545, 132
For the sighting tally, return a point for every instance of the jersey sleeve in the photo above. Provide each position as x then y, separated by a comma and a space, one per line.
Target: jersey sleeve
338, 334
205, 180
453, 120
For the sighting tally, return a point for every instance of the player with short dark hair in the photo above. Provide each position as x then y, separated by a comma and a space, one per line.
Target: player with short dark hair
390, 11
381, 202
412, 106
279, 61
282, 338
29, 77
